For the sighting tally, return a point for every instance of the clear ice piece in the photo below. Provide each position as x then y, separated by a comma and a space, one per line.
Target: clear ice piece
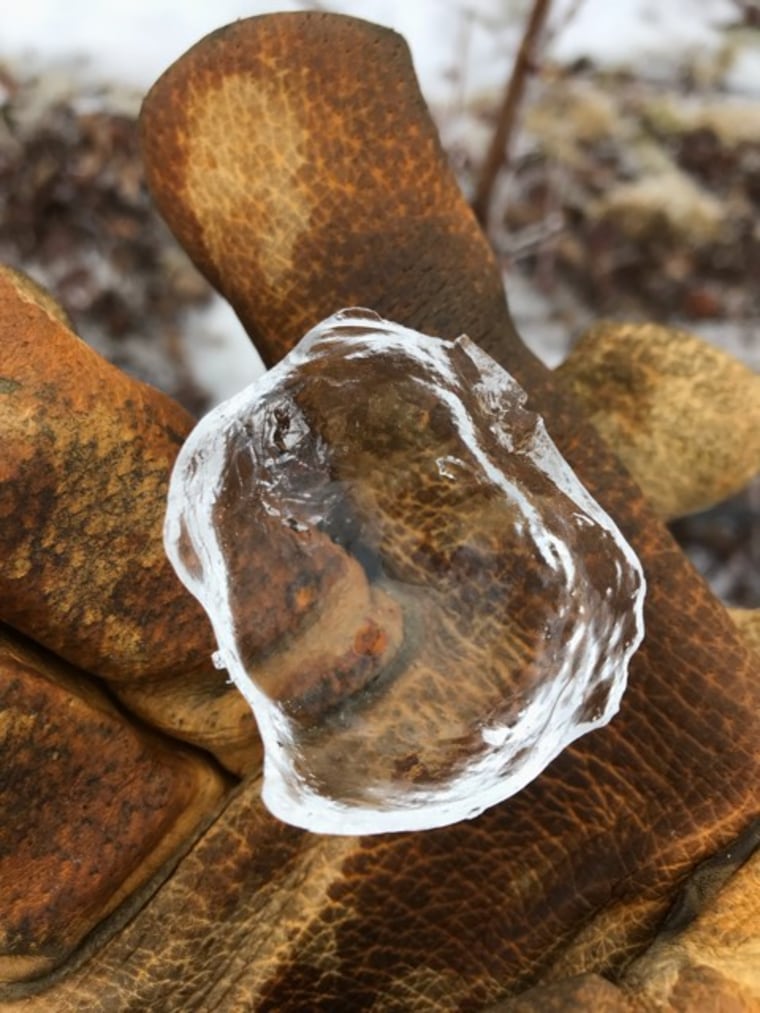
417, 597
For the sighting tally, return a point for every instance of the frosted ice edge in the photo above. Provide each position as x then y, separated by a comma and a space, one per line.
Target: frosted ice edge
415, 727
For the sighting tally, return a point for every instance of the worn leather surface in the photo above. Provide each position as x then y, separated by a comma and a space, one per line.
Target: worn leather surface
581, 994
706, 957
91, 807
292, 180
574, 873
87, 452
682, 415
713, 958
748, 622
86, 455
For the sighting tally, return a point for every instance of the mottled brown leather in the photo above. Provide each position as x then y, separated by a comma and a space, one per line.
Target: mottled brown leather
287, 177
586, 993
714, 963
91, 808
682, 415
84, 471
748, 621
706, 956
574, 873
34, 292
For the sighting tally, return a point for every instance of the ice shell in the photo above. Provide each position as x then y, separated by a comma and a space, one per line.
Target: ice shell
408, 583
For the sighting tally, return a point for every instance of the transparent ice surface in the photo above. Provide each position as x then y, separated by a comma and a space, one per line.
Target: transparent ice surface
417, 597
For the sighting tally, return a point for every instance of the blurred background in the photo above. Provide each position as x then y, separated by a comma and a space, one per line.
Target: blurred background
629, 188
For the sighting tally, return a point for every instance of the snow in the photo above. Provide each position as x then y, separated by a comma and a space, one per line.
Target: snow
219, 354
616, 33
134, 40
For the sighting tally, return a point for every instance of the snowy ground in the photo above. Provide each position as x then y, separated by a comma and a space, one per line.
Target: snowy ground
462, 50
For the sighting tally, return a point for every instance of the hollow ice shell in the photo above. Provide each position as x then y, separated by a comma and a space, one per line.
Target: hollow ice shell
418, 598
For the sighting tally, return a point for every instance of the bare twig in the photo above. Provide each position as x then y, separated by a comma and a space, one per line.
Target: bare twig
562, 24
749, 11
498, 153
532, 239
